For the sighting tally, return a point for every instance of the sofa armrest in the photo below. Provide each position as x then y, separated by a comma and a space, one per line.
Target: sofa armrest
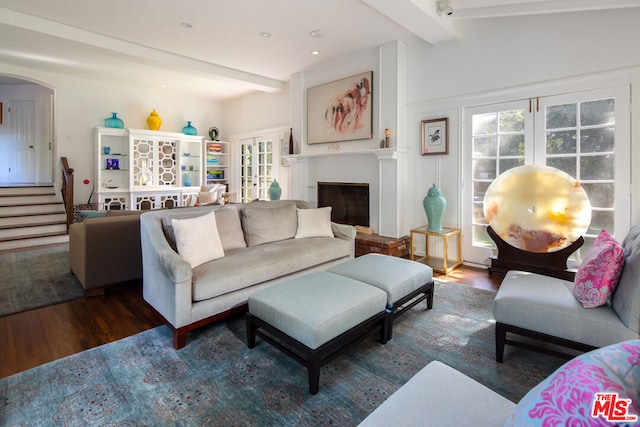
343, 231
167, 276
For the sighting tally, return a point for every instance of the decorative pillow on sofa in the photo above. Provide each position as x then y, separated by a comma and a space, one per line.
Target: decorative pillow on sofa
314, 223
599, 272
197, 239
566, 397
265, 222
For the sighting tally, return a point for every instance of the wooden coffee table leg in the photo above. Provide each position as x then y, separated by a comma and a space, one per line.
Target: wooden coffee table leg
251, 332
313, 369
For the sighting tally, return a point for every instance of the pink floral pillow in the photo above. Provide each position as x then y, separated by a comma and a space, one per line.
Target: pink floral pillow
566, 397
599, 272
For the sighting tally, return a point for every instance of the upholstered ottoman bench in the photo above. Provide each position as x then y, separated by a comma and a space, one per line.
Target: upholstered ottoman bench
405, 282
313, 317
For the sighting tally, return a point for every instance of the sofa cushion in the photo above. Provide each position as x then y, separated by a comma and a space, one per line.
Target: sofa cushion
197, 239
264, 223
314, 223
548, 304
566, 397
256, 264
599, 271
626, 298
229, 228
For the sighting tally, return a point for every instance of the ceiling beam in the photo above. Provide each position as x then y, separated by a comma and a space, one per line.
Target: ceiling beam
420, 17
540, 8
138, 52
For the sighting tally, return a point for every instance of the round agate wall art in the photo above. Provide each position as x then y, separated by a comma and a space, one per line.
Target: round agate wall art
537, 208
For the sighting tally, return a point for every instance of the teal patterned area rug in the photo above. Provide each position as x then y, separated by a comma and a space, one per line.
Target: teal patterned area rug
217, 380
36, 278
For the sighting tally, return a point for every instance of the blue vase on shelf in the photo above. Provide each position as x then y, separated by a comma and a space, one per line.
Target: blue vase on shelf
189, 130
186, 180
114, 122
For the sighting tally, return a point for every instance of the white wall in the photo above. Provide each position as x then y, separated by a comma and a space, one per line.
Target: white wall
82, 104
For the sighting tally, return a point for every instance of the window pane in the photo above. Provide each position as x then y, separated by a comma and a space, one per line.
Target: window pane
596, 167
484, 147
511, 121
478, 214
597, 140
600, 195
484, 169
484, 124
565, 164
597, 112
561, 116
481, 237
506, 164
600, 220
563, 142
479, 190
512, 145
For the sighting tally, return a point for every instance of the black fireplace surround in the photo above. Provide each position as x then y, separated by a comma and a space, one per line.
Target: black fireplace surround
349, 201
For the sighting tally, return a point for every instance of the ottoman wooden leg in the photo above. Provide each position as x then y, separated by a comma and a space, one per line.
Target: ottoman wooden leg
501, 335
251, 331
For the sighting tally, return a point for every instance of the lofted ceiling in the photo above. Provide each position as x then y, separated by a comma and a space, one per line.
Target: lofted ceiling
218, 48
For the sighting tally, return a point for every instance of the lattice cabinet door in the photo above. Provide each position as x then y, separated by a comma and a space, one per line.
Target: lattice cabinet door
154, 162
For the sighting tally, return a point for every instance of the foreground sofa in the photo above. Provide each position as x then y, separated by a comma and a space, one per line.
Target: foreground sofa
105, 251
260, 249
439, 395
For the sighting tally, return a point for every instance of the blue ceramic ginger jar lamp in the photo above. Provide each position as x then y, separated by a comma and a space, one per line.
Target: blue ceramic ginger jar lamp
189, 130
434, 205
114, 122
274, 191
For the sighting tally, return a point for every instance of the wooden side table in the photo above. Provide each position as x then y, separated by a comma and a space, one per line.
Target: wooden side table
440, 265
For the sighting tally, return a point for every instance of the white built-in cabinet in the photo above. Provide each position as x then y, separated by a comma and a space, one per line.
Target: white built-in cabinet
141, 169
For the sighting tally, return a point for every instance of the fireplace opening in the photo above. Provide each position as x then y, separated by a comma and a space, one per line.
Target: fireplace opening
349, 201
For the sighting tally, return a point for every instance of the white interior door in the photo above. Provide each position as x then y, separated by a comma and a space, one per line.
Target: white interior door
22, 158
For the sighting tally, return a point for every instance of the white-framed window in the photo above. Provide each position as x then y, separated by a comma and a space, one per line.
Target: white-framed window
257, 166
585, 134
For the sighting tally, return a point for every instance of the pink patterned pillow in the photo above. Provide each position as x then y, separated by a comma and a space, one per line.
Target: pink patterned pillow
599, 272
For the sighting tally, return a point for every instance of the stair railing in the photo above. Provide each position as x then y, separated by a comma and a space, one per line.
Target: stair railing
67, 190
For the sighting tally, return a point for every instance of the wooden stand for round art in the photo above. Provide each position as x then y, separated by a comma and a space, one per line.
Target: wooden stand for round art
548, 263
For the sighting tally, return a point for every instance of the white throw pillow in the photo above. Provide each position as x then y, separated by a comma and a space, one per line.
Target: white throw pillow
314, 223
197, 239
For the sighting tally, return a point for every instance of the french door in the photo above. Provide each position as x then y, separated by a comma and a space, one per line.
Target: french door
585, 134
256, 167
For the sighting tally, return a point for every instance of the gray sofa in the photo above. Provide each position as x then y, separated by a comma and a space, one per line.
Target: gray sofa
259, 250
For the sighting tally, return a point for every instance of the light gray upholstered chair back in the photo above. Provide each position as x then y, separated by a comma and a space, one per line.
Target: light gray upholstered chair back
626, 298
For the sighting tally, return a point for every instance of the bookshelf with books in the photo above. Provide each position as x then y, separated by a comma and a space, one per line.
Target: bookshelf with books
217, 163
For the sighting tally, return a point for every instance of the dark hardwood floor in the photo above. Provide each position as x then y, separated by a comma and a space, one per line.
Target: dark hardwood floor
38, 336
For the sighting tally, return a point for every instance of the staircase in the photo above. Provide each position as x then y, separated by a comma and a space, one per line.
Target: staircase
31, 216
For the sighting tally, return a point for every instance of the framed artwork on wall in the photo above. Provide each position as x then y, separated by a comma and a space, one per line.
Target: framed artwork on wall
340, 110
435, 136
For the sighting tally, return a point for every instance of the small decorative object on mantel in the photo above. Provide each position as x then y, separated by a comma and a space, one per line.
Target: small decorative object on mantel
154, 121
434, 206
435, 136
387, 135
189, 130
114, 122
274, 191
213, 133
291, 150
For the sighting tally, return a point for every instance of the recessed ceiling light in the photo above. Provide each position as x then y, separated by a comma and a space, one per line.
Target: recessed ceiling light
315, 52
264, 34
315, 33
186, 25
163, 85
